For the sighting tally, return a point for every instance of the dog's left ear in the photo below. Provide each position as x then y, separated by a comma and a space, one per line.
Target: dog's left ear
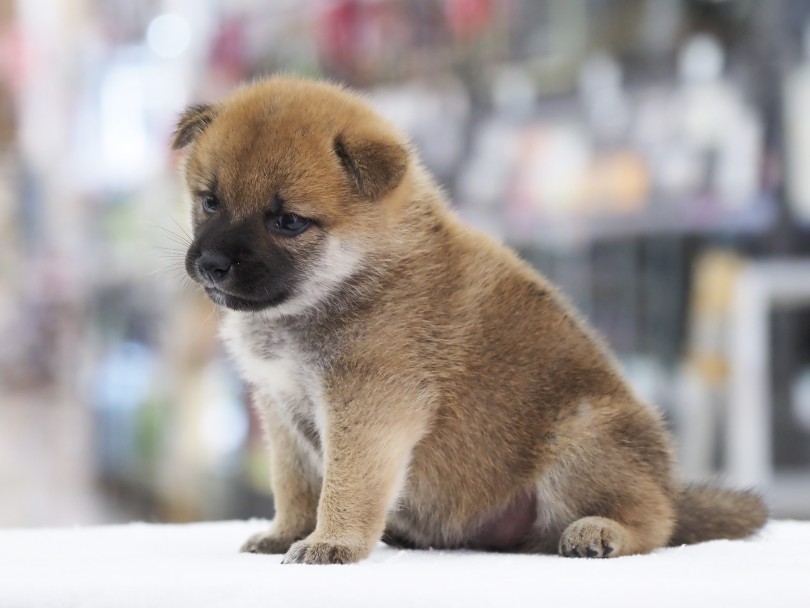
192, 122
375, 165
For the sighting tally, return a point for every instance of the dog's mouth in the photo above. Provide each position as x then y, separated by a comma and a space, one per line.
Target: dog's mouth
234, 302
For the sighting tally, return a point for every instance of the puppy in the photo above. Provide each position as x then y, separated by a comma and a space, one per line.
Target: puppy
417, 382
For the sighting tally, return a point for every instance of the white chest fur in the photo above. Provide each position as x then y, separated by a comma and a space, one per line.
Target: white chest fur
271, 362
276, 377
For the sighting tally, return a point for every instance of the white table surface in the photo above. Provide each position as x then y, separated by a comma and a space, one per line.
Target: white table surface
197, 565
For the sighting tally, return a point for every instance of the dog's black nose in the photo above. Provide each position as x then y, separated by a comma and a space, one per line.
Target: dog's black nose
214, 266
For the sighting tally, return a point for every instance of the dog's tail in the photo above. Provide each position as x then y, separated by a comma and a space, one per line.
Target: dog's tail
705, 513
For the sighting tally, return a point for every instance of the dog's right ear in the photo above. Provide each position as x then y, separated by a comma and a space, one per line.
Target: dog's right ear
375, 164
192, 122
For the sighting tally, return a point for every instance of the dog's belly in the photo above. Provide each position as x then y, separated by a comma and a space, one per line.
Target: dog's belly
506, 528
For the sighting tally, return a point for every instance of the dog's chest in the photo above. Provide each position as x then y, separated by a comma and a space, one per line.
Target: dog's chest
271, 360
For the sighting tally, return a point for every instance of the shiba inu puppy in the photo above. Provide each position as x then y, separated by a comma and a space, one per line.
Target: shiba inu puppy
418, 383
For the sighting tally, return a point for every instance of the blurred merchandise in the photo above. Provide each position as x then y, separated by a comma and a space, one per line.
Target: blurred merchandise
797, 132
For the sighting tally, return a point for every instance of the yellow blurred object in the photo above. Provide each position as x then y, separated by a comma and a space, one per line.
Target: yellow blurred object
715, 274
619, 183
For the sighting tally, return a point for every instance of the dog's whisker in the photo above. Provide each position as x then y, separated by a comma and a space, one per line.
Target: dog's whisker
183, 230
183, 239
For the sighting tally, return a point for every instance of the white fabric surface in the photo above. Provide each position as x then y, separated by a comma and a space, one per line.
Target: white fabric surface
197, 565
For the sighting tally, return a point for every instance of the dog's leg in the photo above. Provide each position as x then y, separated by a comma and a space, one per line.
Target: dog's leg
609, 491
631, 512
367, 450
595, 536
296, 487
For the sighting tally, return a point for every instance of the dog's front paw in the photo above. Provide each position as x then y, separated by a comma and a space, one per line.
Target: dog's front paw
312, 551
266, 542
592, 537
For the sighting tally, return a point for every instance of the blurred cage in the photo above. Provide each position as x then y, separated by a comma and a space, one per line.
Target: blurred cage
640, 153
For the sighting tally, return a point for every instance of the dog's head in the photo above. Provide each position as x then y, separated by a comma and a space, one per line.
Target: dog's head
289, 181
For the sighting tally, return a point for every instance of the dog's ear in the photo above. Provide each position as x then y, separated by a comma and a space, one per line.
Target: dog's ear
192, 122
375, 165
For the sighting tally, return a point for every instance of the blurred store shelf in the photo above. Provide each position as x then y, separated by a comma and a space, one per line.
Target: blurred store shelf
702, 218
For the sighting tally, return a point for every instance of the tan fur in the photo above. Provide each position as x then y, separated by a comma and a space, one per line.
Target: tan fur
422, 383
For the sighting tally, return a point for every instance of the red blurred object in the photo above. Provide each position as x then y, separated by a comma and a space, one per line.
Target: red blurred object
228, 48
468, 18
341, 30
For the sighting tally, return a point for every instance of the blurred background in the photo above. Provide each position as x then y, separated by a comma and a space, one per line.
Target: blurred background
651, 156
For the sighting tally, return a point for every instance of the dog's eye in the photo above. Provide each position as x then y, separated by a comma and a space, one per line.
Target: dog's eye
288, 224
209, 203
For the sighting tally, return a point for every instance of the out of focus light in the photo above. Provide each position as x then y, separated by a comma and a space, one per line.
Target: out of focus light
125, 377
701, 60
600, 87
168, 35
223, 424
